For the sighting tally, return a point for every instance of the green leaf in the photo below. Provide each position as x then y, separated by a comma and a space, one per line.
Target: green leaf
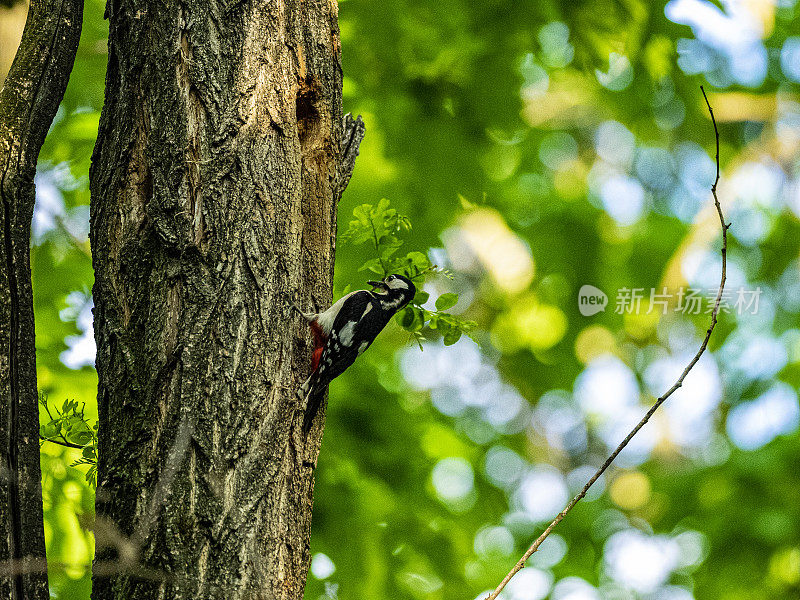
418, 259
362, 214
452, 336
391, 241
387, 252
446, 301
78, 425
405, 317
373, 265
82, 437
411, 319
421, 297
91, 476
50, 430
419, 338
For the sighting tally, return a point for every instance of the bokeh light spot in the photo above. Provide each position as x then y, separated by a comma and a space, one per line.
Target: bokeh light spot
594, 341
630, 490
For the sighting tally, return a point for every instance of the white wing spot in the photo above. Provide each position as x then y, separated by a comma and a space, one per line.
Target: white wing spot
326, 319
346, 333
367, 309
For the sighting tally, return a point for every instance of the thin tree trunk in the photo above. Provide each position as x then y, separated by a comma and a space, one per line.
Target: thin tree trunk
28, 102
220, 159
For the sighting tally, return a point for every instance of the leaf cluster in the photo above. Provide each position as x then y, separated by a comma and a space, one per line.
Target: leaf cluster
380, 225
68, 427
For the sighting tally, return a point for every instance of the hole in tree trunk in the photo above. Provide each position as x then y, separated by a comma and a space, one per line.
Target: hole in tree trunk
307, 113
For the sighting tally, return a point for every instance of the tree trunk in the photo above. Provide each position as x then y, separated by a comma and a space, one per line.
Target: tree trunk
28, 102
219, 162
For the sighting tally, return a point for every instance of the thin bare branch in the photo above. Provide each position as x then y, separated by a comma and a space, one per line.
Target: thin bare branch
64, 443
560, 517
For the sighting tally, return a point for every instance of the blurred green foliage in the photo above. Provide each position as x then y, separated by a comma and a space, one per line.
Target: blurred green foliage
536, 147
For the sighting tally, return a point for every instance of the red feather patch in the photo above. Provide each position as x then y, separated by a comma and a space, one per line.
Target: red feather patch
319, 345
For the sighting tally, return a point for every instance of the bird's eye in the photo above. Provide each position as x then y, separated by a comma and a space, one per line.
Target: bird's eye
390, 278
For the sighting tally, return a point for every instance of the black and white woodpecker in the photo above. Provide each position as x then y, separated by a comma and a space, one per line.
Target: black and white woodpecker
345, 330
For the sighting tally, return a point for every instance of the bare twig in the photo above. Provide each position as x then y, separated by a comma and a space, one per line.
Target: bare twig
65, 443
560, 517
12, 568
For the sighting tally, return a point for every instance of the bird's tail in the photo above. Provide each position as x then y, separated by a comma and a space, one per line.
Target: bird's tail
311, 391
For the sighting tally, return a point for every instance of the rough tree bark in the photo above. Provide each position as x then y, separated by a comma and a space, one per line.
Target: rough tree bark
28, 102
221, 155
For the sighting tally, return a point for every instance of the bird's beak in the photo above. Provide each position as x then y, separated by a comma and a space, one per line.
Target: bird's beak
378, 284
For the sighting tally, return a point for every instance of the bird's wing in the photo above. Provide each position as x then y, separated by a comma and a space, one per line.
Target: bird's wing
352, 309
356, 326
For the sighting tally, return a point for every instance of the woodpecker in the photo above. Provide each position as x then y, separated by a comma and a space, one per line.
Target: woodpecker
344, 331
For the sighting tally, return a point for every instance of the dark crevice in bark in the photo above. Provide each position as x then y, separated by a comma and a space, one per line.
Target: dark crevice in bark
308, 117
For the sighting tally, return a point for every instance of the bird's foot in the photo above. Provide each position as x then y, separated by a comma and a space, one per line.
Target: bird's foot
307, 316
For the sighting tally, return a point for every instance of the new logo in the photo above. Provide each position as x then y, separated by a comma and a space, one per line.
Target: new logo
591, 300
